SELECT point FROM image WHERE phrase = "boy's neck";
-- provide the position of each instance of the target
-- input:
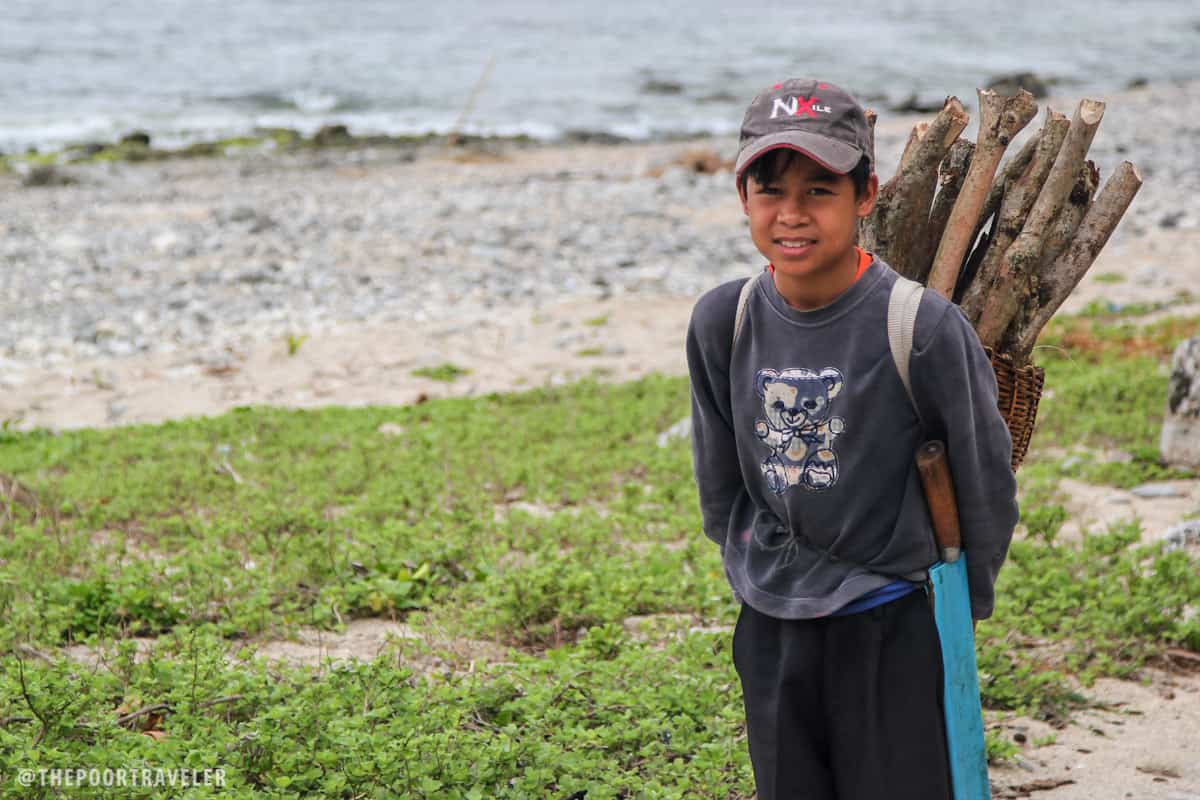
(810, 292)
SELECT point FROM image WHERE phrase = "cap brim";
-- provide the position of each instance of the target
(829, 153)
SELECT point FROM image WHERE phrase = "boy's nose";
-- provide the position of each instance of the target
(793, 211)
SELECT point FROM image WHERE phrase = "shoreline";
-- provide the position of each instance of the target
(340, 129)
(136, 145)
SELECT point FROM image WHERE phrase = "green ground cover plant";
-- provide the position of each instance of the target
(442, 372)
(1106, 389)
(549, 524)
(294, 343)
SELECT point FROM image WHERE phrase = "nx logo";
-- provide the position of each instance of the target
(798, 106)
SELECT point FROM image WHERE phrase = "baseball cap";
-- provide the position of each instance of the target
(817, 118)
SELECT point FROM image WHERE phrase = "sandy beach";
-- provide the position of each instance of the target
(147, 292)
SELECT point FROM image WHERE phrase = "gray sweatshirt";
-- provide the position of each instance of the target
(803, 448)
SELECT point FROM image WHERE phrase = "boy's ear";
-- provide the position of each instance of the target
(741, 187)
(866, 201)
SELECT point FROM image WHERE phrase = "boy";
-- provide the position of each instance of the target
(803, 447)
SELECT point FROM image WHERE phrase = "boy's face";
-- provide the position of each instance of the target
(804, 222)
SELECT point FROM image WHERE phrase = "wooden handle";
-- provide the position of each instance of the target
(939, 495)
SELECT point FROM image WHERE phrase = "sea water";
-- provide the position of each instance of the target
(182, 70)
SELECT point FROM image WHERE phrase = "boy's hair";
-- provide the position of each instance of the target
(768, 167)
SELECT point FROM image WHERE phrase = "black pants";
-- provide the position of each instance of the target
(845, 708)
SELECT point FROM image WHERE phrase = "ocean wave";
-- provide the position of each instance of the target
(188, 128)
(308, 101)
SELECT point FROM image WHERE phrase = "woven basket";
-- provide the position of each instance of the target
(1020, 390)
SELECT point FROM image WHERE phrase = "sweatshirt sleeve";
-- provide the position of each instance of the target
(955, 388)
(714, 451)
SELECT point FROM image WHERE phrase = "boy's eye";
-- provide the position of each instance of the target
(819, 190)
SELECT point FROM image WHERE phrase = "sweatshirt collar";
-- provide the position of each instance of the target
(826, 313)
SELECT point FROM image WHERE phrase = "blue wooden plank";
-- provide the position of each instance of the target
(964, 717)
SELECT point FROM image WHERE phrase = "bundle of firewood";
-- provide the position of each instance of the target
(1007, 243)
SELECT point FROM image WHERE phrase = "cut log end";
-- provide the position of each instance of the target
(915, 136)
(1091, 112)
(1008, 114)
(959, 119)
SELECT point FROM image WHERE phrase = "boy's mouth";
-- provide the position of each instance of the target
(795, 245)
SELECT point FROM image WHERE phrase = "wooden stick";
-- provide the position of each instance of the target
(971, 265)
(1020, 260)
(455, 132)
(870, 234)
(910, 234)
(864, 229)
(166, 708)
(1018, 199)
(1058, 236)
(157, 708)
(14, 491)
(934, 471)
(1013, 169)
(1001, 118)
(872, 117)
(1063, 228)
(30, 650)
(1057, 281)
(896, 226)
(914, 138)
(951, 174)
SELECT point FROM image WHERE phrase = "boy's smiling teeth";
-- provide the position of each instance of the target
(794, 242)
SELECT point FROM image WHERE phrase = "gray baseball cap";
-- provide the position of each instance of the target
(817, 118)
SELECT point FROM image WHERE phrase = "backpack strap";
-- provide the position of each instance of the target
(740, 316)
(902, 321)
